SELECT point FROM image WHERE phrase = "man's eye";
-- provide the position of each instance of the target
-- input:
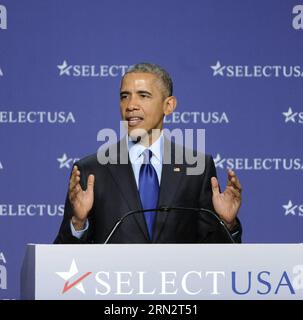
(123, 97)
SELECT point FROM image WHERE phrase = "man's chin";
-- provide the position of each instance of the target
(137, 134)
(143, 136)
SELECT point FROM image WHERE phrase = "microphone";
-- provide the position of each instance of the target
(168, 209)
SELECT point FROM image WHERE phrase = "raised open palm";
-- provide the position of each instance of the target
(81, 200)
(228, 202)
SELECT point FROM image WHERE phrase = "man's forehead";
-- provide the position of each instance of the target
(138, 79)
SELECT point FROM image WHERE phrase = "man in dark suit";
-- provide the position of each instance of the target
(99, 194)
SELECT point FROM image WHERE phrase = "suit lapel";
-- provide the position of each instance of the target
(170, 180)
(124, 177)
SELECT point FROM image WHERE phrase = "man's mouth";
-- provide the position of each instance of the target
(134, 121)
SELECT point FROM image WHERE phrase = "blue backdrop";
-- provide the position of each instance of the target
(238, 72)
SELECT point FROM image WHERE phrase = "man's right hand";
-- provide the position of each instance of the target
(81, 201)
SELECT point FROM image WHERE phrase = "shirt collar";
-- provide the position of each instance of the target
(136, 149)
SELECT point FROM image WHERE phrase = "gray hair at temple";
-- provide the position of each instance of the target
(159, 72)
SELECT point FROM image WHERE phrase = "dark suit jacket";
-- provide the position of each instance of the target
(115, 193)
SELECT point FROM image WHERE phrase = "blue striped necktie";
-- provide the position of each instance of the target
(149, 190)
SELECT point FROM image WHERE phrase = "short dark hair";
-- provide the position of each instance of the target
(158, 71)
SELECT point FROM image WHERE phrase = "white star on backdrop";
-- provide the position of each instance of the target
(218, 161)
(289, 208)
(64, 68)
(64, 161)
(290, 115)
(218, 69)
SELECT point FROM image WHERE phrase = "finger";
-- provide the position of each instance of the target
(73, 195)
(75, 171)
(75, 178)
(233, 180)
(90, 183)
(234, 192)
(215, 185)
(76, 189)
(74, 175)
(236, 183)
(74, 182)
(230, 175)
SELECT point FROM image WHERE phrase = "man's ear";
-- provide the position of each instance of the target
(170, 104)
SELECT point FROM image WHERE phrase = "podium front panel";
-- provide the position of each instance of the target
(163, 272)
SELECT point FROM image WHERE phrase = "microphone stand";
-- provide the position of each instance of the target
(129, 213)
(200, 210)
(167, 209)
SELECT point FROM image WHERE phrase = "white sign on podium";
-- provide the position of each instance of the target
(163, 272)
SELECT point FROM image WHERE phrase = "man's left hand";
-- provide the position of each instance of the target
(227, 203)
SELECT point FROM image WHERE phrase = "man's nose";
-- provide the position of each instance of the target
(133, 104)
